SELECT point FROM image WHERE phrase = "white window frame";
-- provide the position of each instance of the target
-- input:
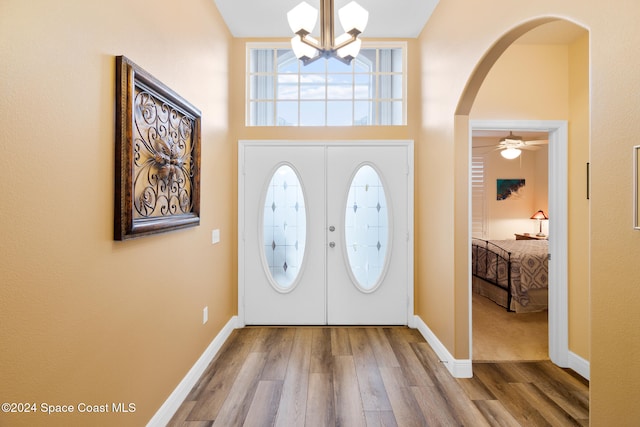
(375, 101)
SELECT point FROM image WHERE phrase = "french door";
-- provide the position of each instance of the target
(325, 233)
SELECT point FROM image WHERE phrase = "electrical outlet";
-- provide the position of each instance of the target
(205, 315)
(215, 236)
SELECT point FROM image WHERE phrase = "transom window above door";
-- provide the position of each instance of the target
(281, 91)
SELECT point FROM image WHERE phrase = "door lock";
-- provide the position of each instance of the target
(332, 228)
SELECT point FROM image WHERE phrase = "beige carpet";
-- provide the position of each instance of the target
(502, 336)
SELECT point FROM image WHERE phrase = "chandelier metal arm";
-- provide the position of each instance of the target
(326, 46)
(310, 42)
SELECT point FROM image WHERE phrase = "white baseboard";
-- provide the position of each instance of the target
(171, 405)
(464, 369)
(580, 365)
(459, 368)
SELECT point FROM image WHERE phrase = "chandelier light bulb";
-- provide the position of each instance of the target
(302, 17)
(353, 17)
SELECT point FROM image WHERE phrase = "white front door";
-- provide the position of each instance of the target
(367, 266)
(324, 233)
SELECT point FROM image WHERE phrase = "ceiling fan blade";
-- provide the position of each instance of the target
(493, 144)
(485, 149)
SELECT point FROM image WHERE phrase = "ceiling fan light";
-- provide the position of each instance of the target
(510, 153)
(302, 17)
(353, 17)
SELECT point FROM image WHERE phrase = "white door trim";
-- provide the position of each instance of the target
(558, 243)
(242, 144)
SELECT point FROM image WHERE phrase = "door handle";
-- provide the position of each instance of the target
(332, 228)
(332, 244)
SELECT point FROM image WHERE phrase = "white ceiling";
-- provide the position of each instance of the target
(387, 19)
(268, 18)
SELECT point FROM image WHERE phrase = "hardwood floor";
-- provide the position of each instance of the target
(373, 376)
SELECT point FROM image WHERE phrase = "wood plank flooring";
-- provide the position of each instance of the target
(371, 376)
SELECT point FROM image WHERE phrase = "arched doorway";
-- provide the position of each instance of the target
(558, 186)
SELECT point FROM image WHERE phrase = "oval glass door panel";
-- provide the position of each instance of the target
(367, 228)
(284, 228)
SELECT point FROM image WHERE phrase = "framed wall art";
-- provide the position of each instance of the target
(157, 158)
(508, 188)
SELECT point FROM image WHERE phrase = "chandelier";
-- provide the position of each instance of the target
(302, 20)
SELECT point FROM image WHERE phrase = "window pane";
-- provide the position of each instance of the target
(363, 113)
(386, 113)
(364, 86)
(288, 113)
(366, 227)
(261, 87)
(261, 60)
(396, 86)
(312, 86)
(373, 83)
(339, 113)
(284, 227)
(335, 66)
(340, 87)
(397, 109)
(396, 60)
(385, 88)
(390, 86)
(365, 62)
(390, 113)
(261, 113)
(288, 86)
(312, 113)
(287, 61)
(319, 66)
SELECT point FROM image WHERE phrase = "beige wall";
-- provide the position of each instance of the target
(450, 60)
(84, 318)
(579, 318)
(527, 82)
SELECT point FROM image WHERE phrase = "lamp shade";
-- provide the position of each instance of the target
(353, 16)
(510, 153)
(539, 215)
(302, 17)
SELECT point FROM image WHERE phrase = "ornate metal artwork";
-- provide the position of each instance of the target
(157, 156)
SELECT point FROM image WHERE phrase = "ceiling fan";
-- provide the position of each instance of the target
(510, 146)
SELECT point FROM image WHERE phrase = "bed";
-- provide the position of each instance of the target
(512, 273)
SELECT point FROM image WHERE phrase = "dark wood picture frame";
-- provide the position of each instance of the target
(157, 156)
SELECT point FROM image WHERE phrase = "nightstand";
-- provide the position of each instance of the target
(530, 237)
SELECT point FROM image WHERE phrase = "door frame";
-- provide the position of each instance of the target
(243, 144)
(558, 244)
